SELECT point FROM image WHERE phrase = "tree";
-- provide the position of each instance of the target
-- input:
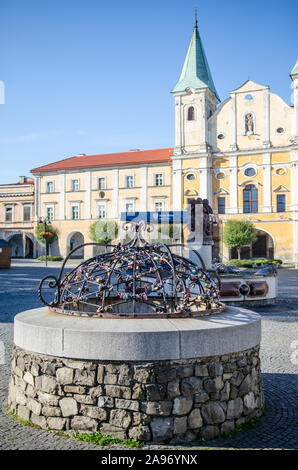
(103, 231)
(238, 233)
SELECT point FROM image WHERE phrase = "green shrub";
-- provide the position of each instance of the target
(241, 263)
(50, 258)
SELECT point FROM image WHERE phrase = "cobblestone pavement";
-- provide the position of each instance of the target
(277, 429)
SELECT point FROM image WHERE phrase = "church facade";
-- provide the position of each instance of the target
(240, 154)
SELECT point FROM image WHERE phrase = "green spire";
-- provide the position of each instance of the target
(195, 73)
(295, 69)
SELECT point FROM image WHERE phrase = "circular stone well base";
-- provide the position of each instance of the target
(138, 392)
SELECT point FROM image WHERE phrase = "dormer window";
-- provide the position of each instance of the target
(191, 113)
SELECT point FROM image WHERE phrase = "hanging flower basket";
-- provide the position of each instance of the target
(46, 235)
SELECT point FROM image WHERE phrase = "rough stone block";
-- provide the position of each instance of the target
(140, 419)
(93, 412)
(155, 392)
(57, 424)
(108, 429)
(48, 399)
(39, 421)
(86, 399)
(173, 388)
(83, 424)
(34, 406)
(191, 385)
(120, 418)
(110, 379)
(213, 413)
(46, 384)
(64, 375)
(78, 389)
(69, 407)
(156, 408)
(209, 432)
(180, 425)
(100, 374)
(105, 402)
(215, 369)
(245, 386)
(182, 405)
(235, 408)
(201, 397)
(227, 426)
(213, 385)
(51, 411)
(137, 392)
(141, 433)
(23, 412)
(118, 391)
(201, 370)
(28, 378)
(195, 419)
(84, 377)
(162, 428)
(131, 405)
(143, 374)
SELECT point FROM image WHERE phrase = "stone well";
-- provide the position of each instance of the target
(163, 379)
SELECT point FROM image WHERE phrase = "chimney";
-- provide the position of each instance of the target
(23, 179)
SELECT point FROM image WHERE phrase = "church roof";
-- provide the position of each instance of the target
(195, 73)
(295, 69)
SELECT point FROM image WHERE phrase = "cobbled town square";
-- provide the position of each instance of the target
(148, 298)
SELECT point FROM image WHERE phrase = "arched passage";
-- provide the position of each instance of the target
(22, 245)
(263, 247)
(74, 240)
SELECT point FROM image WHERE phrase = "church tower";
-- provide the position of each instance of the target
(294, 77)
(195, 100)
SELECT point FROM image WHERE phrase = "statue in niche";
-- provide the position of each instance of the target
(249, 124)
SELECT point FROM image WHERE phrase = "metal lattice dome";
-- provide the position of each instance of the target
(136, 279)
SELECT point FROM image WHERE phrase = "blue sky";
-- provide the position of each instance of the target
(89, 76)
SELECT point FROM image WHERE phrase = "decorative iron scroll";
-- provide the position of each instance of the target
(135, 279)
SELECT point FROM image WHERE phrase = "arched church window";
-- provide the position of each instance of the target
(191, 113)
(250, 199)
(249, 124)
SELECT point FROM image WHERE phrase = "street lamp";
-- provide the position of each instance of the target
(45, 221)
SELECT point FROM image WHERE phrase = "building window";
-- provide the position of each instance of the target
(129, 181)
(27, 213)
(50, 213)
(281, 203)
(190, 176)
(8, 213)
(101, 183)
(129, 207)
(250, 199)
(75, 185)
(158, 206)
(250, 172)
(221, 205)
(75, 212)
(101, 211)
(159, 179)
(191, 113)
(50, 187)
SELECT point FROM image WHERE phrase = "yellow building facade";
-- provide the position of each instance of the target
(240, 154)
(17, 217)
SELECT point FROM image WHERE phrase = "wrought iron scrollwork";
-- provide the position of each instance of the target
(136, 278)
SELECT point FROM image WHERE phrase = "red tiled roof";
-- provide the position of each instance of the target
(27, 182)
(111, 159)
